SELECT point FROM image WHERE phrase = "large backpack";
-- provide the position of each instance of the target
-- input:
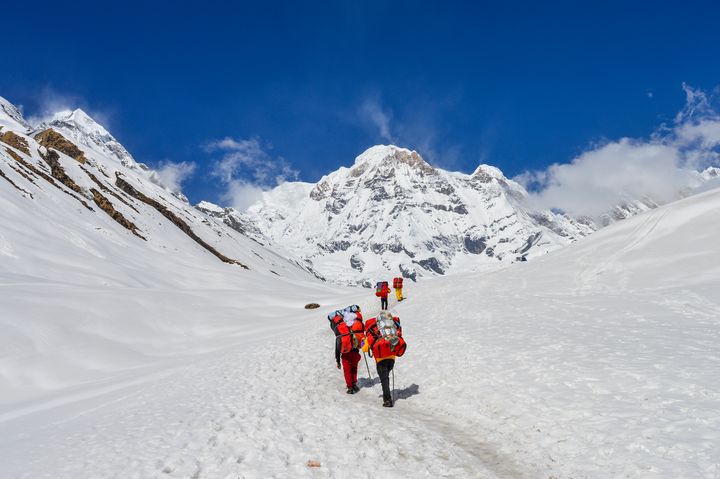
(384, 335)
(335, 318)
(350, 337)
(397, 283)
(381, 287)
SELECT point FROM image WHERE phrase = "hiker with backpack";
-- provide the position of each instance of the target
(383, 338)
(349, 335)
(398, 285)
(382, 290)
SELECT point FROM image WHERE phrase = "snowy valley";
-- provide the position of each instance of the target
(144, 337)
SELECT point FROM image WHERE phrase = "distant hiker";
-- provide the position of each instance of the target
(349, 335)
(398, 285)
(382, 290)
(383, 338)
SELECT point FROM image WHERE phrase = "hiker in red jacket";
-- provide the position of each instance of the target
(349, 335)
(383, 338)
(382, 290)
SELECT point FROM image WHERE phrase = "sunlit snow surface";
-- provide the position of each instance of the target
(124, 358)
(598, 360)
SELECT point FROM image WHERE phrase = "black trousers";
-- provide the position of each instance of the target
(383, 369)
(383, 303)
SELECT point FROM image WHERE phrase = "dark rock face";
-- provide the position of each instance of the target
(233, 223)
(334, 246)
(408, 273)
(460, 209)
(357, 263)
(237, 222)
(321, 191)
(532, 239)
(431, 264)
(475, 245)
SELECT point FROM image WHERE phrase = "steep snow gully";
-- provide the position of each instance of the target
(598, 360)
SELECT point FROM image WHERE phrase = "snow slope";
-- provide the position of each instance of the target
(597, 360)
(96, 281)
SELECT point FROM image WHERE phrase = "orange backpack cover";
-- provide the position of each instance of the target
(381, 347)
(350, 337)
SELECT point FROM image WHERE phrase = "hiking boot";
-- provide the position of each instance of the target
(355, 388)
(388, 403)
(350, 390)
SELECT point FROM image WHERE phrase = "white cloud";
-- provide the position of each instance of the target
(246, 170)
(599, 179)
(371, 111)
(172, 175)
(658, 167)
(52, 103)
(705, 133)
(241, 195)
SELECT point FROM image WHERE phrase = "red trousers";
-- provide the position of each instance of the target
(350, 366)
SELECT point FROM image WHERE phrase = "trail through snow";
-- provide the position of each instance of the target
(597, 361)
(263, 410)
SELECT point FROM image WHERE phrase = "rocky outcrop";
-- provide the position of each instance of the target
(107, 190)
(52, 139)
(58, 172)
(104, 204)
(175, 219)
(5, 177)
(16, 141)
(52, 158)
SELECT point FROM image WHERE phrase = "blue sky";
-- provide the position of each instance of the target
(310, 85)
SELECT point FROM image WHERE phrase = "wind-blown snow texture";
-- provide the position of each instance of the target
(121, 357)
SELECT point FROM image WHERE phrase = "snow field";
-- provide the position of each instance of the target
(123, 358)
(262, 410)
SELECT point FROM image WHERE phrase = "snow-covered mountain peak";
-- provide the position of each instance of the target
(80, 120)
(392, 213)
(379, 153)
(711, 173)
(78, 127)
(11, 117)
(209, 207)
(389, 156)
(488, 172)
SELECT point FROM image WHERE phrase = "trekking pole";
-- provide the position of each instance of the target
(368, 367)
(393, 391)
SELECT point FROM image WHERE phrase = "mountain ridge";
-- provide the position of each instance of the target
(71, 185)
(393, 213)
